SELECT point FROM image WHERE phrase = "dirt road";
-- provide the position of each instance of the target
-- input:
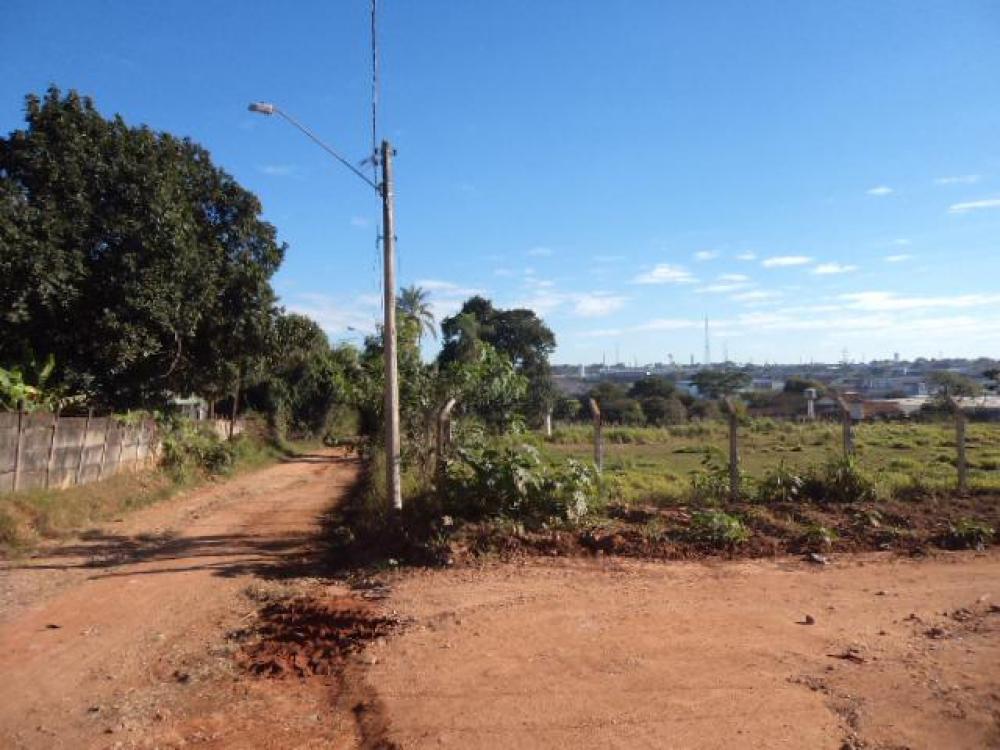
(121, 641)
(572, 654)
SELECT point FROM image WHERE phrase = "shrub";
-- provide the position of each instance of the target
(779, 485)
(969, 533)
(818, 537)
(189, 448)
(840, 481)
(512, 481)
(717, 528)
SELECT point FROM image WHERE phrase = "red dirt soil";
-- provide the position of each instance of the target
(148, 634)
(130, 650)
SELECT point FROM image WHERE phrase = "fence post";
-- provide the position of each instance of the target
(52, 446)
(138, 444)
(83, 446)
(236, 402)
(17, 446)
(548, 423)
(443, 434)
(734, 451)
(119, 428)
(848, 427)
(595, 410)
(104, 447)
(960, 461)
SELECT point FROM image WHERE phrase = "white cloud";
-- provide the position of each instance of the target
(665, 273)
(722, 288)
(900, 241)
(597, 305)
(962, 208)
(749, 255)
(879, 190)
(826, 269)
(756, 295)
(446, 287)
(277, 170)
(333, 316)
(779, 261)
(962, 179)
(668, 324)
(360, 221)
(883, 301)
(540, 252)
(733, 277)
(898, 258)
(706, 255)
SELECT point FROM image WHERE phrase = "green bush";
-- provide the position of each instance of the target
(717, 528)
(840, 481)
(511, 481)
(969, 533)
(189, 448)
(817, 537)
(780, 485)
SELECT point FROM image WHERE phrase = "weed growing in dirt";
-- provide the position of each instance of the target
(840, 481)
(969, 533)
(817, 537)
(780, 485)
(717, 528)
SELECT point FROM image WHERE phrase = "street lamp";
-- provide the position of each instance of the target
(385, 191)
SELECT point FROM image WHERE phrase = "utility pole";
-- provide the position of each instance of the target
(392, 459)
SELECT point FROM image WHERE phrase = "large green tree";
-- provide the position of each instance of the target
(125, 253)
(519, 333)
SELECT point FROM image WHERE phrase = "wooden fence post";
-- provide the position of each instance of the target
(83, 446)
(598, 436)
(52, 447)
(961, 464)
(548, 423)
(848, 427)
(104, 447)
(443, 434)
(734, 451)
(17, 446)
(121, 445)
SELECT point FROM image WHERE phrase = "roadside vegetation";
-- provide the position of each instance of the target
(138, 275)
(191, 455)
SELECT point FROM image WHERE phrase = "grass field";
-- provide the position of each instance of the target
(655, 465)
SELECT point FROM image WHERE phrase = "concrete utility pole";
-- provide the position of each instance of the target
(385, 191)
(392, 458)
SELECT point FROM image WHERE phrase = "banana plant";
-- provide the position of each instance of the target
(15, 388)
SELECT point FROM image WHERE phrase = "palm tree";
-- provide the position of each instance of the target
(413, 304)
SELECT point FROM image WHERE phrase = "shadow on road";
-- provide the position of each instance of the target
(266, 551)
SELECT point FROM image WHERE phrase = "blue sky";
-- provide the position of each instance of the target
(813, 176)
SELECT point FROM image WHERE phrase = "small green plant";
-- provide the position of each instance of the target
(718, 528)
(189, 448)
(817, 537)
(840, 481)
(968, 533)
(512, 481)
(781, 485)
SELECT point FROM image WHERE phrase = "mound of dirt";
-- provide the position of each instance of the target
(305, 636)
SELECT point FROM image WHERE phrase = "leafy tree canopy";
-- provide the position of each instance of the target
(519, 334)
(718, 383)
(127, 255)
(652, 386)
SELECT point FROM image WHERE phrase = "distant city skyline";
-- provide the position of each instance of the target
(812, 177)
